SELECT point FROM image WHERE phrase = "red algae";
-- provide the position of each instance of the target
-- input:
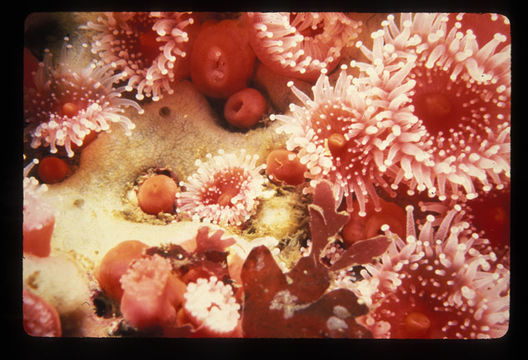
(299, 303)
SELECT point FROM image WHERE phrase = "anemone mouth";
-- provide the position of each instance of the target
(224, 187)
(445, 105)
(307, 26)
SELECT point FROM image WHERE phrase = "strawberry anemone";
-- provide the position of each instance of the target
(459, 89)
(182, 290)
(223, 190)
(151, 50)
(70, 101)
(38, 216)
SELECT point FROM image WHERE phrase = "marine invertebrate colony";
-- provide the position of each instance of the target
(69, 101)
(460, 93)
(224, 189)
(320, 237)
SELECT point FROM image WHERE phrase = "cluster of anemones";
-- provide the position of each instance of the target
(430, 110)
(434, 284)
(178, 290)
(460, 93)
(348, 136)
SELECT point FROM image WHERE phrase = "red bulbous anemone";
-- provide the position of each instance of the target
(245, 108)
(300, 45)
(300, 303)
(223, 190)
(435, 284)
(53, 169)
(156, 194)
(222, 62)
(353, 136)
(70, 101)
(461, 94)
(30, 68)
(369, 226)
(115, 264)
(38, 216)
(151, 50)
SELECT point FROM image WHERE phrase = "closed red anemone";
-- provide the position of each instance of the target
(360, 228)
(30, 67)
(221, 59)
(38, 225)
(157, 194)
(52, 169)
(115, 263)
(245, 108)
